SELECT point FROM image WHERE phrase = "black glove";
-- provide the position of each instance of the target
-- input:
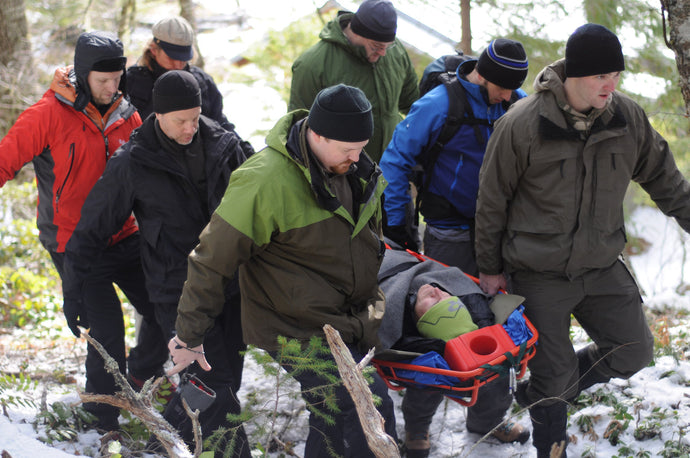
(401, 236)
(75, 312)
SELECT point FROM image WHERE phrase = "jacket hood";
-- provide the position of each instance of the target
(551, 79)
(333, 33)
(478, 93)
(278, 136)
(94, 47)
(63, 86)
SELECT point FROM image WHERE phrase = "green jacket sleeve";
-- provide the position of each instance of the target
(238, 229)
(410, 90)
(210, 266)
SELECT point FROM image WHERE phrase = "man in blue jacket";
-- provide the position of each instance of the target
(448, 202)
(172, 175)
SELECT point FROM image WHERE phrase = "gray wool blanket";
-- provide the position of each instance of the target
(402, 274)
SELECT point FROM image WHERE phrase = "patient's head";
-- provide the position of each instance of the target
(440, 315)
(428, 295)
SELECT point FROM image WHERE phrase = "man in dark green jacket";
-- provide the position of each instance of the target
(302, 222)
(360, 50)
(550, 214)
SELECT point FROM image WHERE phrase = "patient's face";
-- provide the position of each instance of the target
(427, 297)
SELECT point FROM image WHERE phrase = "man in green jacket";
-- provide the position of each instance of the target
(302, 222)
(360, 50)
(550, 214)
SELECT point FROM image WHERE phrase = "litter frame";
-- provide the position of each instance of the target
(470, 381)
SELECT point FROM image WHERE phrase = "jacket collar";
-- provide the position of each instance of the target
(298, 148)
(475, 92)
(552, 120)
(147, 150)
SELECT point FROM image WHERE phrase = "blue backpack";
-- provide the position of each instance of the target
(444, 64)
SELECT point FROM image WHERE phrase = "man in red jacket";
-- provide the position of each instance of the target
(69, 135)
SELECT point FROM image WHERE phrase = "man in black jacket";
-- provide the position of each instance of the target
(171, 48)
(172, 174)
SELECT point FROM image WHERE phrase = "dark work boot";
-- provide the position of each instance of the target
(549, 426)
(511, 432)
(417, 444)
(589, 373)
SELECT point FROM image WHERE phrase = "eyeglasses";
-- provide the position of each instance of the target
(379, 47)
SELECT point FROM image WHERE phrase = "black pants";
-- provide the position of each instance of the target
(456, 253)
(345, 436)
(119, 264)
(493, 400)
(223, 345)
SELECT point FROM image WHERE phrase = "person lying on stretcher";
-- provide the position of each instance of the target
(416, 290)
(419, 292)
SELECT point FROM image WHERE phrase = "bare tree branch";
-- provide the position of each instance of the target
(380, 443)
(139, 404)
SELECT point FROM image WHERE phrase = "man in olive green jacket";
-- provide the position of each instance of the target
(360, 50)
(550, 214)
(302, 222)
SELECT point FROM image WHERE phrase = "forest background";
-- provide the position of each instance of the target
(251, 66)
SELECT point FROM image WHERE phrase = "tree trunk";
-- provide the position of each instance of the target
(677, 35)
(14, 42)
(17, 75)
(187, 12)
(466, 39)
(125, 22)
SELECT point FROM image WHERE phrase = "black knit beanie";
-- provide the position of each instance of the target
(342, 113)
(376, 20)
(174, 91)
(593, 50)
(504, 63)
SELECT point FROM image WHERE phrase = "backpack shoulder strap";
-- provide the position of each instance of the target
(459, 112)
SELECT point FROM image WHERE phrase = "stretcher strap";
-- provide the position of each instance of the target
(503, 369)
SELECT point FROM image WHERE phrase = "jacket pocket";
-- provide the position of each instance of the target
(613, 176)
(151, 232)
(58, 193)
(546, 199)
